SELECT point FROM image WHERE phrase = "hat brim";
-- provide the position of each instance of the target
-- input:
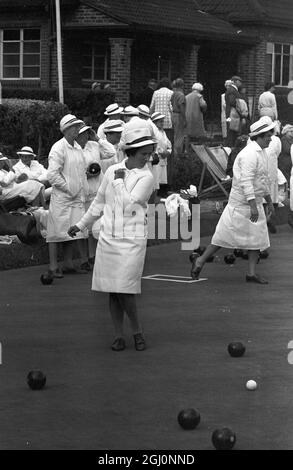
(26, 153)
(70, 124)
(109, 131)
(162, 116)
(117, 111)
(3, 158)
(263, 131)
(84, 129)
(143, 143)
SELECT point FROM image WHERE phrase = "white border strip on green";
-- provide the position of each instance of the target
(182, 279)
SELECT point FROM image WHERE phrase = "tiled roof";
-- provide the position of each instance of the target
(277, 13)
(27, 4)
(184, 16)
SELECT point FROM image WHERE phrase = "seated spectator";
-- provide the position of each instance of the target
(32, 191)
(29, 168)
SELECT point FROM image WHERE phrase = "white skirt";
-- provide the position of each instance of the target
(235, 229)
(63, 213)
(119, 264)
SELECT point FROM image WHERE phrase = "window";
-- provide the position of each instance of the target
(95, 62)
(162, 67)
(20, 53)
(279, 63)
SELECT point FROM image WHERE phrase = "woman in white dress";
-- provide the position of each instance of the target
(67, 175)
(273, 151)
(164, 149)
(94, 173)
(243, 222)
(31, 191)
(122, 201)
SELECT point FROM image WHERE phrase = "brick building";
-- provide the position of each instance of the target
(124, 42)
(271, 58)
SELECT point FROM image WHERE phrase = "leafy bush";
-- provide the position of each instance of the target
(29, 122)
(187, 171)
(80, 101)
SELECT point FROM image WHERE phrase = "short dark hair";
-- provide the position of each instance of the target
(269, 85)
(178, 83)
(131, 152)
(164, 82)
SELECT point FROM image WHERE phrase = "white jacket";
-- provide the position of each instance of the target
(36, 171)
(250, 175)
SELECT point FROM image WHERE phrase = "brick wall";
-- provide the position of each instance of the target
(120, 68)
(85, 15)
(190, 71)
(252, 61)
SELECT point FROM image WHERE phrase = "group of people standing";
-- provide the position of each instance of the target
(184, 114)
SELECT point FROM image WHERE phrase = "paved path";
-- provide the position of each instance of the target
(99, 399)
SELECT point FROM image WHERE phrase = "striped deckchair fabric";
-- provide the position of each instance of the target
(215, 161)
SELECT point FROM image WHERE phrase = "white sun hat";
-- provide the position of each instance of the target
(69, 120)
(135, 138)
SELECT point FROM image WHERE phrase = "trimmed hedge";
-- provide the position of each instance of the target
(29, 122)
(80, 101)
(31, 116)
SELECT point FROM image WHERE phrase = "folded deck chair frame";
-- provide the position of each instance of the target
(217, 172)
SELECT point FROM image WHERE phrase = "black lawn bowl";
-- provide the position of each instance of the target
(94, 169)
(236, 349)
(210, 259)
(244, 255)
(223, 439)
(238, 253)
(188, 418)
(264, 254)
(36, 379)
(46, 279)
(229, 259)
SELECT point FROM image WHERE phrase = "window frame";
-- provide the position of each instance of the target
(106, 56)
(270, 51)
(21, 54)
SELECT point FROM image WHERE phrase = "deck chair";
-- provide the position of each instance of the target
(214, 159)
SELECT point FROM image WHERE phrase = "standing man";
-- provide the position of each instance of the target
(145, 97)
(233, 118)
(67, 175)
